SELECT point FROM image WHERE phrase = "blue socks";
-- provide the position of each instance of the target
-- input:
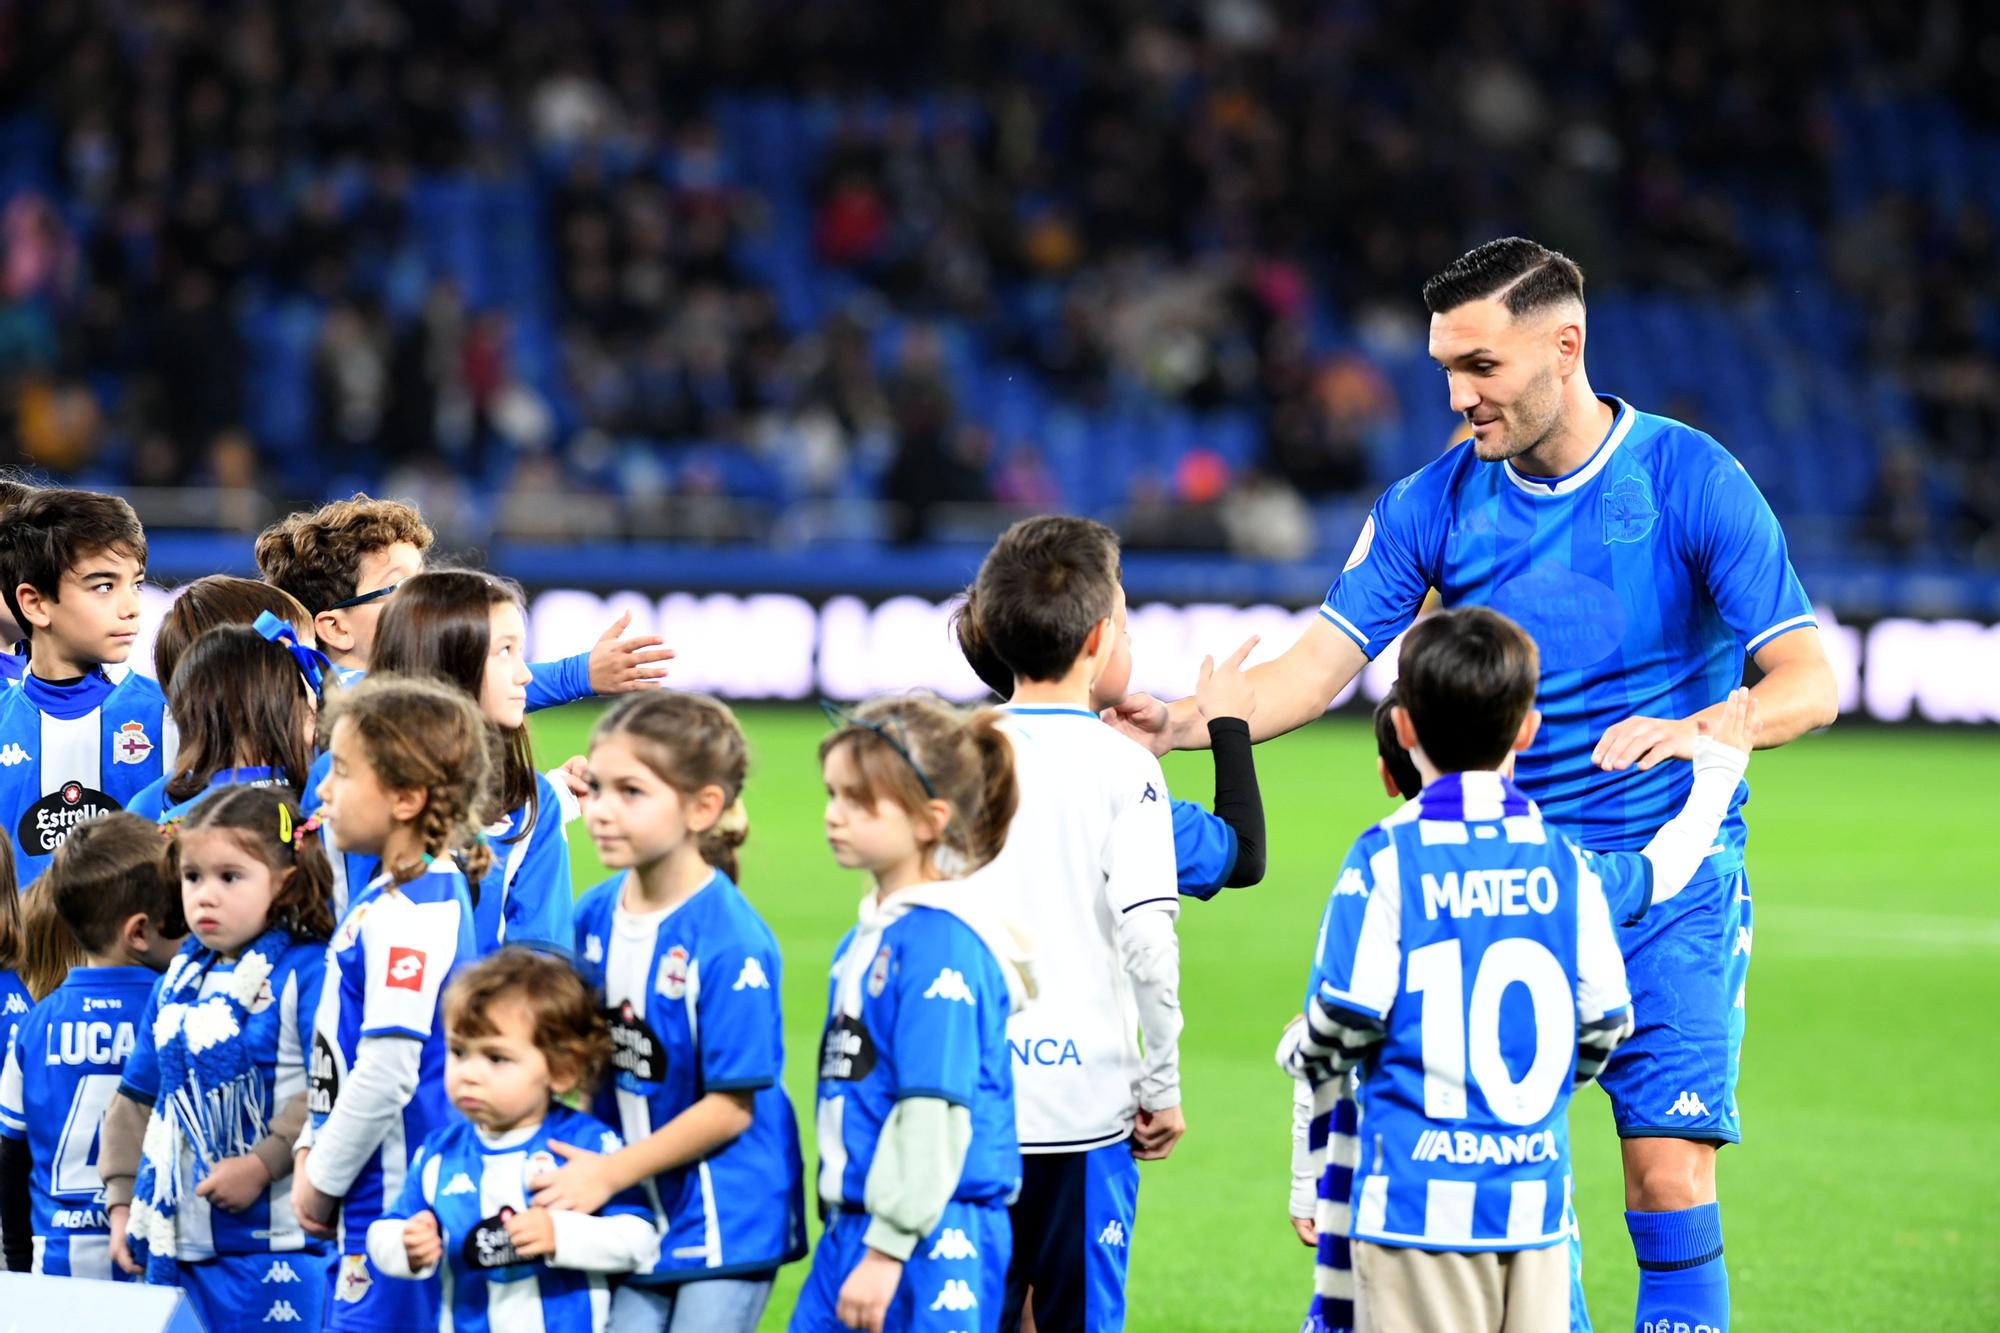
(1683, 1287)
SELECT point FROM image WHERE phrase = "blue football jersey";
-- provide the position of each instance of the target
(386, 971)
(526, 897)
(15, 1002)
(550, 684)
(916, 1009)
(14, 665)
(68, 1056)
(691, 996)
(152, 801)
(1644, 577)
(278, 1034)
(470, 1181)
(1471, 939)
(69, 753)
(1204, 850)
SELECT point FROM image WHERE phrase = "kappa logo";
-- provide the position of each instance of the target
(1113, 1234)
(13, 755)
(460, 1184)
(131, 745)
(281, 1272)
(406, 968)
(1742, 941)
(593, 949)
(16, 1004)
(1151, 793)
(1350, 884)
(608, 1142)
(752, 976)
(953, 1244)
(281, 1312)
(1687, 1104)
(950, 985)
(957, 1297)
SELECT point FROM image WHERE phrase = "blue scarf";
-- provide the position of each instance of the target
(212, 1097)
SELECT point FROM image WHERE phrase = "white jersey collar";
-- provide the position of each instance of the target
(1621, 426)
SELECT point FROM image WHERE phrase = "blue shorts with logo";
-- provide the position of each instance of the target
(954, 1280)
(1073, 1227)
(1687, 962)
(365, 1300)
(282, 1290)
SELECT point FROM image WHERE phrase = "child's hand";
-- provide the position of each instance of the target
(1224, 691)
(620, 665)
(865, 1296)
(1736, 725)
(1156, 1133)
(236, 1183)
(585, 1185)
(532, 1232)
(423, 1245)
(1306, 1231)
(121, 1253)
(574, 774)
(314, 1210)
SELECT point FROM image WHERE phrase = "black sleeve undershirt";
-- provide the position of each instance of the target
(16, 1220)
(1238, 801)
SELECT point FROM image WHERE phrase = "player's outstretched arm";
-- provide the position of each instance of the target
(1796, 695)
(1290, 690)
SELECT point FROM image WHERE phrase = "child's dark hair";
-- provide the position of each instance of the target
(569, 1028)
(107, 871)
(238, 698)
(993, 672)
(438, 625)
(1468, 678)
(268, 825)
(51, 532)
(419, 735)
(691, 741)
(12, 945)
(219, 599)
(1402, 769)
(1043, 587)
(316, 556)
(900, 743)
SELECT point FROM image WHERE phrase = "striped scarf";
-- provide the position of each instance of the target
(1332, 1136)
(212, 1102)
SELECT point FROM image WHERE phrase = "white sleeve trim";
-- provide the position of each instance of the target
(1808, 620)
(1326, 609)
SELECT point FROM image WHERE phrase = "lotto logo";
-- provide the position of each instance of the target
(13, 755)
(281, 1312)
(957, 1296)
(1113, 1234)
(752, 977)
(953, 1244)
(280, 1271)
(406, 969)
(950, 985)
(1688, 1104)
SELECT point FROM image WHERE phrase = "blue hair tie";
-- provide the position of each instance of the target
(313, 664)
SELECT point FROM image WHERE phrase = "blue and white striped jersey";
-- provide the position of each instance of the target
(526, 897)
(69, 753)
(386, 971)
(1644, 577)
(68, 1056)
(691, 995)
(470, 1180)
(279, 1036)
(15, 1002)
(1467, 961)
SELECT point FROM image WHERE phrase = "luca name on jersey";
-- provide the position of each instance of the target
(89, 1043)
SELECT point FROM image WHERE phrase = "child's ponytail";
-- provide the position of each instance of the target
(987, 823)
(718, 845)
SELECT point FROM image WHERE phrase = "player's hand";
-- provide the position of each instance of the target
(1644, 742)
(584, 1185)
(1736, 725)
(1144, 719)
(1306, 1231)
(423, 1245)
(236, 1183)
(620, 665)
(1224, 691)
(314, 1210)
(120, 1218)
(532, 1233)
(865, 1296)
(1156, 1132)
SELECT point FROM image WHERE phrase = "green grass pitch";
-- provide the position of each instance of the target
(1862, 1196)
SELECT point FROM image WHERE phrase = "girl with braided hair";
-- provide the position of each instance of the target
(412, 770)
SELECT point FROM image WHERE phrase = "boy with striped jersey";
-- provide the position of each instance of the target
(82, 735)
(111, 888)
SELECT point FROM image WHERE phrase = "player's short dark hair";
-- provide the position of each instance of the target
(1468, 678)
(1532, 276)
(316, 556)
(107, 871)
(993, 673)
(49, 533)
(1041, 589)
(1402, 769)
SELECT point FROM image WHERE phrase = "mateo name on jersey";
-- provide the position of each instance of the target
(1464, 1148)
(1512, 892)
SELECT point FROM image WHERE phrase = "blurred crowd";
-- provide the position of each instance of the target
(1218, 207)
